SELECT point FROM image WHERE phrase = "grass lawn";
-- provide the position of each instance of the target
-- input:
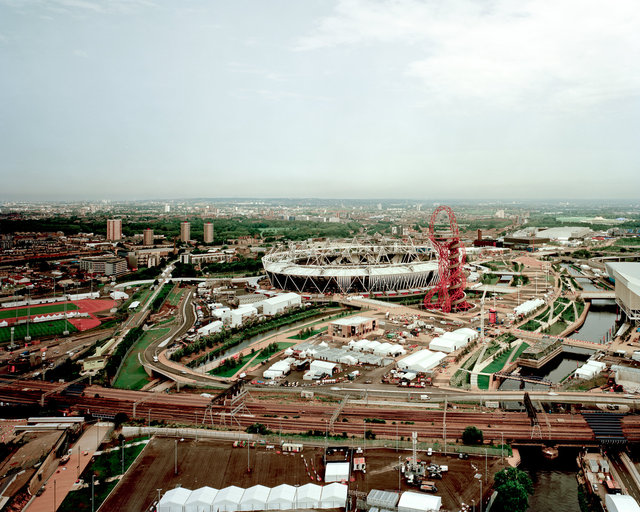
(531, 325)
(174, 296)
(53, 328)
(313, 332)
(105, 466)
(494, 366)
(281, 346)
(557, 328)
(523, 346)
(132, 375)
(36, 310)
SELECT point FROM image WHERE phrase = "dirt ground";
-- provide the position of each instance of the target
(217, 464)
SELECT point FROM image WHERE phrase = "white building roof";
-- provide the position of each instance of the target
(336, 472)
(308, 496)
(421, 361)
(281, 497)
(418, 502)
(334, 495)
(228, 499)
(283, 297)
(621, 503)
(174, 500)
(354, 320)
(200, 499)
(255, 498)
(528, 306)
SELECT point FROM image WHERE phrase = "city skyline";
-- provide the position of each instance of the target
(345, 99)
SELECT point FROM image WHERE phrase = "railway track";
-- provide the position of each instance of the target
(294, 417)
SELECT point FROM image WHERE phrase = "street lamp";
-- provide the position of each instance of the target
(478, 476)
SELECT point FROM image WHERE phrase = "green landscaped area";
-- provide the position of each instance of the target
(36, 310)
(556, 328)
(39, 330)
(132, 375)
(498, 364)
(106, 465)
(262, 355)
(174, 296)
(307, 333)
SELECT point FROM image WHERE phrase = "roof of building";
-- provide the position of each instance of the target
(353, 320)
(628, 272)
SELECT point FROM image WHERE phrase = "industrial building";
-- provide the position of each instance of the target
(208, 232)
(185, 231)
(352, 268)
(280, 303)
(354, 326)
(114, 230)
(147, 257)
(104, 265)
(627, 278)
(258, 497)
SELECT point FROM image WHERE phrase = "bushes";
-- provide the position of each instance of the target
(472, 435)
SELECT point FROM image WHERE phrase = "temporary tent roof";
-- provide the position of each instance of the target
(421, 361)
(527, 307)
(200, 500)
(621, 503)
(228, 499)
(336, 472)
(382, 499)
(417, 502)
(255, 498)
(174, 500)
(308, 496)
(333, 496)
(282, 497)
(323, 366)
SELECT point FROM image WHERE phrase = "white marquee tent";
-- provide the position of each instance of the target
(333, 496)
(174, 500)
(418, 502)
(282, 497)
(228, 499)
(308, 496)
(255, 498)
(200, 500)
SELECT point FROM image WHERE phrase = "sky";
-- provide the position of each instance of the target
(139, 99)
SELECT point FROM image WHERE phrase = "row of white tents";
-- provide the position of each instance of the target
(375, 347)
(258, 497)
(421, 361)
(528, 307)
(452, 341)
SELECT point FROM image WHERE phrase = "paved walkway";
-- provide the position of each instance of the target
(61, 482)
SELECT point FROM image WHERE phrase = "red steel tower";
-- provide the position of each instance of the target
(449, 294)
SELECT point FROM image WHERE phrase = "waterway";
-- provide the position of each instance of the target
(555, 371)
(554, 481)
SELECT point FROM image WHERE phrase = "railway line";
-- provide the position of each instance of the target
(385, 422)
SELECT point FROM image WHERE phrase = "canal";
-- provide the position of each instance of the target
(554, 481)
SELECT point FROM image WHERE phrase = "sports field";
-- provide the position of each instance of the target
(36, 310)
(132, 375)
(41, 329)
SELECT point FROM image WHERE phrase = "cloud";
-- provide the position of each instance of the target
(561, 54)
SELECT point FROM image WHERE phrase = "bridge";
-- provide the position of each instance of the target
(587, 295)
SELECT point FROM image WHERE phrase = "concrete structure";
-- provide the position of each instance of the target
(212, 256)
(114, 230)
(148, 257)
(280, 303)
(208, 232)
(211, 328)
(185, 231)
(355, 326)
(104, 265)
(352, 268)
(627, 278)
(147, 237)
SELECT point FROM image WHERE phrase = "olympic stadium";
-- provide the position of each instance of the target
(367, 268)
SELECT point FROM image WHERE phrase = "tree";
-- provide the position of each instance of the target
(472, 435)
(369, 434)
(513, 486)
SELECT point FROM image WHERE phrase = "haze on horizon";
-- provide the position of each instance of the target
(135, 99)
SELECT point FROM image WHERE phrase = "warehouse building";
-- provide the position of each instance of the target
(627, 278)
(421, 361)
(355, 326)
(281, 303)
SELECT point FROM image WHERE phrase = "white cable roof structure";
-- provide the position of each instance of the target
(351, 267)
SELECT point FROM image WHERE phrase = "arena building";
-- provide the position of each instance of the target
(627, 278)
(390, 267)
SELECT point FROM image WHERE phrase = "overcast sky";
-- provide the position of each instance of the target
(317, 98)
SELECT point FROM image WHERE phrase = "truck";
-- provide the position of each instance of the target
(428, 486)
